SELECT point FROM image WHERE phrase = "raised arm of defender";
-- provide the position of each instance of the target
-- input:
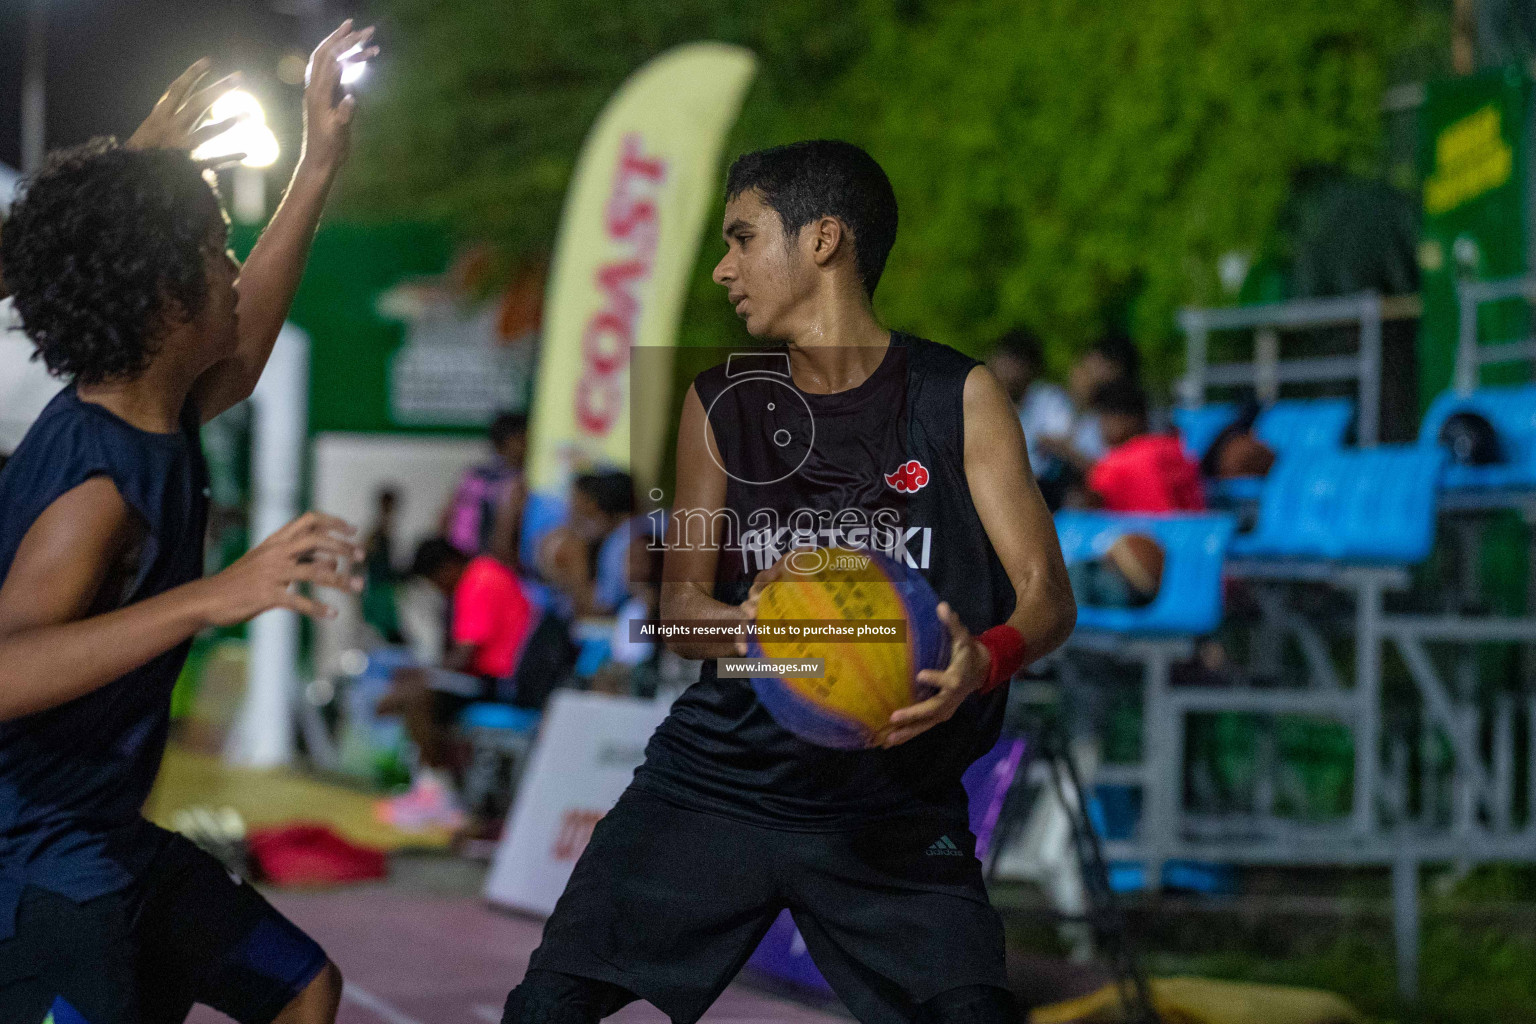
(270, 277)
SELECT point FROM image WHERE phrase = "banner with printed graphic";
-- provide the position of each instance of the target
(628, 240)
(1473, 162)
(588, 749)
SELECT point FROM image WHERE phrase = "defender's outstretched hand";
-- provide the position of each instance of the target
(176, 120)
(270, 277)
(327, 107)
(308, 550)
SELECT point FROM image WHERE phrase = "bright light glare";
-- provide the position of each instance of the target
(251, 136)
(352, 72)
(237, 102)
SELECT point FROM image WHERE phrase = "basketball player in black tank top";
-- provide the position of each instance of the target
(732, 819)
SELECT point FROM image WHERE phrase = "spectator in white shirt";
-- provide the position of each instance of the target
(1018, 362)
(1113, 357)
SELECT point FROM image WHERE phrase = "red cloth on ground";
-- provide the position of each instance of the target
(306, 854)
(1148, 473)
(491, 611)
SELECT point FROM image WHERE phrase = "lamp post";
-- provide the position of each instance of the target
(251, 137)
(34, 87)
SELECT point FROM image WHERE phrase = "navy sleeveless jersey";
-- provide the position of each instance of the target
(74, 778)
(879, 465)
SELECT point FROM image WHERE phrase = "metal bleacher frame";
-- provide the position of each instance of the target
(1267, 371)
(1378, 831)
(1154, 637)
(1471, 355)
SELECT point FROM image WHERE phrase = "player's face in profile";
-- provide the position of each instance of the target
(760, 270)
(217, 323)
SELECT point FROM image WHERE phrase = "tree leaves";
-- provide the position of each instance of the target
(1065, 164)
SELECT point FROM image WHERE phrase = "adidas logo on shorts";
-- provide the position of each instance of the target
(944, 847)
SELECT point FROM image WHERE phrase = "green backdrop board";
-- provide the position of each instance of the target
(1474, 163)
(353, 345)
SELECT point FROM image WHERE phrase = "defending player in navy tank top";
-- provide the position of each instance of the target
(70, 811)
(891, 448)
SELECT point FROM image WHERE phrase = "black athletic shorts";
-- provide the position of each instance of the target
(669, 903)
(187, 931)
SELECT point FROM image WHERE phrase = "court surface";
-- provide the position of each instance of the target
(414, 956)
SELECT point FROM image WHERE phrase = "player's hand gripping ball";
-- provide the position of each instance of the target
(866, 680)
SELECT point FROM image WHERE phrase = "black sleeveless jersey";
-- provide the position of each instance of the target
(879, 465)
(73, 778)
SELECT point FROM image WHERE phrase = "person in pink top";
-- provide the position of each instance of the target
(489, 620)
(1142, 471)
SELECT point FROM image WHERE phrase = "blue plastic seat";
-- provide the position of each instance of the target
(1367, 506)
(1234, 490)
(1287, 425)
(1511, 411)
(1293, 425)
(1199, 425)
(499, 716)
(1188, 603)
(592, 655)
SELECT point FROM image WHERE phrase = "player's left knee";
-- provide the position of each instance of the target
(973, 1004)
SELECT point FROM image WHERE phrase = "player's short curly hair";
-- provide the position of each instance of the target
(103, 244)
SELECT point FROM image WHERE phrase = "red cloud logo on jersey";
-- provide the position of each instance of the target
(909, 476)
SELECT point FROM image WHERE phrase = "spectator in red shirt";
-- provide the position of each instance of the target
(489, 620)
(1142, 471)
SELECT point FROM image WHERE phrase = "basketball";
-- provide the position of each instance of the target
(866, 679)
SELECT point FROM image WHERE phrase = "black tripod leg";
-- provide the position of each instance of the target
(1105, 916)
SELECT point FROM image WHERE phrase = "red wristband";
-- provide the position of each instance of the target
(1006, 646)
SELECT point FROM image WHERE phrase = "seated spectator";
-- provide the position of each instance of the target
(1067, 455)
(490, 618)
(1141, 471)
(1045, 409)
(1111, 358)
(1235, 451)
(585, 559)
(379, 576)
(489, 490)
(631, 668)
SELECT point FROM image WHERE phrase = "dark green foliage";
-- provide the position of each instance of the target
(1070, 164)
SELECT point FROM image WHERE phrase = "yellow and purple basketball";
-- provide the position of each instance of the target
(831, 593)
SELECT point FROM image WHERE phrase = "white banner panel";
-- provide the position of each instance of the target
(588, 748)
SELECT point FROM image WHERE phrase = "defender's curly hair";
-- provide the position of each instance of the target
(102, 247)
